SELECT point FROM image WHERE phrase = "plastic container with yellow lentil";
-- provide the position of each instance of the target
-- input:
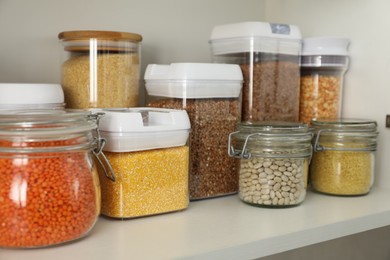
(343, 161)
(147, 149)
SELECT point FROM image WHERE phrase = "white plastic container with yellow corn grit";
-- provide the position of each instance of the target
(147, 149)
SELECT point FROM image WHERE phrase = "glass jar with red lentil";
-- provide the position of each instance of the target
(49, 189)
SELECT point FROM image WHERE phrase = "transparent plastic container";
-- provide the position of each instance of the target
(49, 188)
(148, 152)
(101, 69)
(211, 95)
(274, 159)
(324, 63)
(344, 156)
(269, 57)
(31, 96)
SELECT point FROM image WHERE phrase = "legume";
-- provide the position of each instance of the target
(47, 198)
(148, 182)
(273, 181)
(319, 97)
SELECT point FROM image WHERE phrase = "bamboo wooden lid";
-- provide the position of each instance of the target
(78, 40)
(103, 35)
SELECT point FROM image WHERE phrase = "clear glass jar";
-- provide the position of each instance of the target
(324, 62)
(148, 151)
(274, 161)
(211, 95)
(269, 57)
(343, 161)
(101, 69)
(49, 188)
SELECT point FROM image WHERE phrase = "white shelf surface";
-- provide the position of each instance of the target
(223, 228)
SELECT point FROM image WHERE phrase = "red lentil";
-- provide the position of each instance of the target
(46, 198)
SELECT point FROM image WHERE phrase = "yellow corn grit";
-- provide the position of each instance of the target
(147, 182)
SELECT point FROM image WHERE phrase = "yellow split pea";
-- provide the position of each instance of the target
(147, 183)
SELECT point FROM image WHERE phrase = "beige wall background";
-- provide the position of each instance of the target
(178, 31)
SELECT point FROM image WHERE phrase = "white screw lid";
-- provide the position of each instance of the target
(30, 94)
(336, 46)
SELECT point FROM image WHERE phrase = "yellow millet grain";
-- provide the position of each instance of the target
(117, 81)
(147, 183)
(342, 172)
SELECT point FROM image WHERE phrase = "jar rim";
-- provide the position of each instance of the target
(45, 122)
(274, 128)
(345, 127)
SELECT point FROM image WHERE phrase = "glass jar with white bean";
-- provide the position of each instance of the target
(274, 159)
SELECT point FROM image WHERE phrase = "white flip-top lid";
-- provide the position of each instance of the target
(143, 128)
(255, 37)
(194, 80)
(30, 94)
(337, 46)
(330, 52)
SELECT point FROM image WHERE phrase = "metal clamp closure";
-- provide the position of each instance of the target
(98, 150)
(320, 148)
(245, 154)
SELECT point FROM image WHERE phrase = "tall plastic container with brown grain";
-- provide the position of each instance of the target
(324, 62)
(101, 69)
(269, 57)
(211, 95)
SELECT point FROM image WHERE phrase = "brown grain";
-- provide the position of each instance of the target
(274, 95)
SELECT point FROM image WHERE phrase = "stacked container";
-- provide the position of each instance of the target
(323, 65)
(101, 69)
(269, 56)
(210, 93)
(148, 153)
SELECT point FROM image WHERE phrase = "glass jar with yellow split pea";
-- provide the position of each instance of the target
(148, 152)
(343, 161)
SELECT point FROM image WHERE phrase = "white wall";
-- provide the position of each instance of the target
(173, 30)
(367, 87)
